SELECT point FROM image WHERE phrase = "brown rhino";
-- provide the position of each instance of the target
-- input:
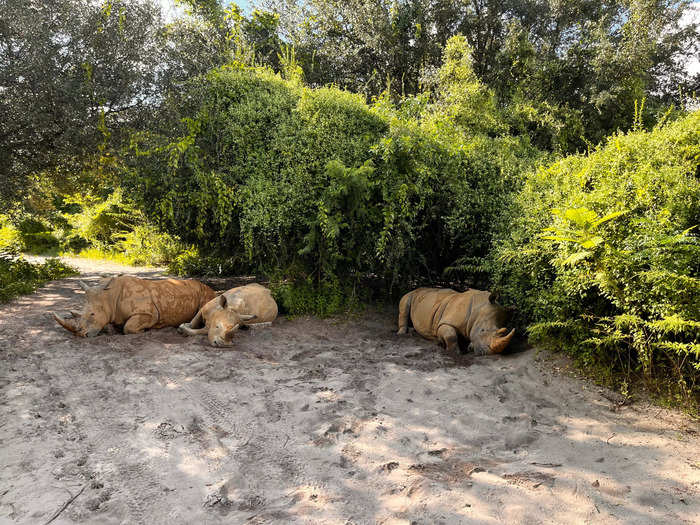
(444, 315)
(222, 316)
(137, 304)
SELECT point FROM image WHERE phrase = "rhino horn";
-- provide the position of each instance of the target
(65, 323)
(500, 343)
(231, 332)
(247, 317)
(84, 285)
(75, 314)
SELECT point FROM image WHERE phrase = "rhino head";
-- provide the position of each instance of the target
(488, 334)
(225, 321)
(96, 314)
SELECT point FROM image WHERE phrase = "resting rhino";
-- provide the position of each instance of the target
(444, 315)
(223, 315)
(138, 304)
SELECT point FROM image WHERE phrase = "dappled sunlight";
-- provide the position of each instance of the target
(283, 429)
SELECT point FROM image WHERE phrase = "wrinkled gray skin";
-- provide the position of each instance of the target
(95, 316)
(136, 304)
(486, 329)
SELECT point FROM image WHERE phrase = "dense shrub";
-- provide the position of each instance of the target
(18, 277)
(602, 254)
(190, 262)
(317, 186)
(99, 219)
(110, 227)
(307, 297)
(27, 234)
(10, 241)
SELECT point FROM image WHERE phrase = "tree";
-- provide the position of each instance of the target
(73, 76)
(587, 61)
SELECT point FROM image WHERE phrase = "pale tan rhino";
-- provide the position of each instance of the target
(445, 316)
(221, 317)
(137, 304)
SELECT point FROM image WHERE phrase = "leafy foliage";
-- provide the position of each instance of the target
(74, 75)
(603, 254)
(318, 185)
(567, 71)
(330, 143)
(18, 277)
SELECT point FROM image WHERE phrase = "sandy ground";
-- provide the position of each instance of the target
(318, 421)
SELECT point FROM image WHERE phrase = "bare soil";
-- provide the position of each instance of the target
(318, 421)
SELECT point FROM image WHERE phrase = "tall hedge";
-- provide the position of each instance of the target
(602, 254)
(316, 183)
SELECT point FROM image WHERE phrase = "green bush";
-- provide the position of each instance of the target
(191, 262)
(18, 277)
(601, 254)
(31, 235)
(99, 220)
(315, 185)
(307, 297)
(10, 240)
(144, 244)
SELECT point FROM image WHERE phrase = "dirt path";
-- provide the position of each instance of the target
(314, 421)
(100, 267)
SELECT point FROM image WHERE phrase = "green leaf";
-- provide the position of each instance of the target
(608, 217)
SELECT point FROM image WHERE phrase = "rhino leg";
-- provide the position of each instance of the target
(448, 335)
(197, 321)
(404, 313)
(138, 323)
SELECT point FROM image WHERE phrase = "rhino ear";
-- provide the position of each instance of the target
(493, 297)
(107, 284)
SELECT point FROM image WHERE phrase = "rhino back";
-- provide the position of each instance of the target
(463, 310)
(176, 301)
(427, 307)
(253, 299)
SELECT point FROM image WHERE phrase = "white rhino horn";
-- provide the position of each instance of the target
(83, 285)
(500, 343)
(65, 323)
(247, 317)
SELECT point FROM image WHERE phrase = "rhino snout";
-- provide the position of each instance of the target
(501, 341)
(221, 343)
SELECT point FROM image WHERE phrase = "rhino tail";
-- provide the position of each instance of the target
(405, 313)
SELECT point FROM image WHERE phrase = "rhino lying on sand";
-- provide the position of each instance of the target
(222, 316)
(444, 315)
(138, 304)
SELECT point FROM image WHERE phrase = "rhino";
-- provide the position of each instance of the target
(237, 307)
(446, 316)
(137, 304)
